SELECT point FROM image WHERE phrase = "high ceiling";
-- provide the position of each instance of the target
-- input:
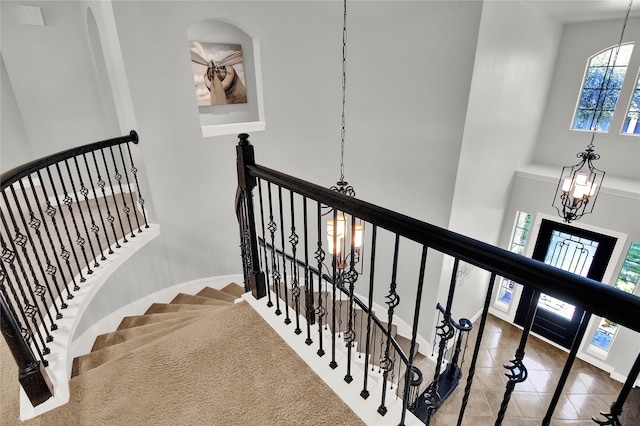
(584, 10)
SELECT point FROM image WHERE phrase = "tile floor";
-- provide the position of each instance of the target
(588, 391)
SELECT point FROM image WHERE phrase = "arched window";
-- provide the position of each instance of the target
(632, 121)
(601, 88)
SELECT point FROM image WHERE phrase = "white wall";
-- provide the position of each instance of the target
(14, 142)
(53, 77)
(517, 45)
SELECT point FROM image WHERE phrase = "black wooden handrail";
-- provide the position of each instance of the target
(621, 307)
(13, 175)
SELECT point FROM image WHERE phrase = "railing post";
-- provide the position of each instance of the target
(245, 157)
(31, 373)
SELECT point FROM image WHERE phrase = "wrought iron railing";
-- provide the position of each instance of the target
(61, 216)
(306, 283)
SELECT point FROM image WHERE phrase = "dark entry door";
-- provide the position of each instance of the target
(576, 250)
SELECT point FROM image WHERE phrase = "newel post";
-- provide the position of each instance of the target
(246, 183)
(31, 373)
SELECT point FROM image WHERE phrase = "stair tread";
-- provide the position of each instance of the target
(234, 289)
(183, 298)
(138, 320)
(125, 334)
(159, 308)
(213, 293)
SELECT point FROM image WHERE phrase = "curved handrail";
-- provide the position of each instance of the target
(13, 175)
(575, 289)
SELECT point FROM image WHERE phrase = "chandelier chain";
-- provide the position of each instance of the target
(609, 73)
(344, 87)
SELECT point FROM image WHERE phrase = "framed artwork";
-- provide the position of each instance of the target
(218, 73)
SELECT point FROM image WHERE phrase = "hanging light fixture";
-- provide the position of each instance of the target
(580, 184)
(341, 229)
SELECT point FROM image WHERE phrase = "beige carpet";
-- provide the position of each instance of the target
(226, 368)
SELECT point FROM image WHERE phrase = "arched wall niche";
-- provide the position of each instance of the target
(218, 120)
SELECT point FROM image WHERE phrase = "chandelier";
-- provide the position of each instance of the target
(345, 235)
(580, 184)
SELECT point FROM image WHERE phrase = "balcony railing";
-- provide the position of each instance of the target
(288, 258)
(62, 215)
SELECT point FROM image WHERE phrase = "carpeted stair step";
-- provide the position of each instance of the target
(213, 293)
(120, 336)
(94, 359)
(138, 320)
(188, 299)
(163, 308)
(234, 289)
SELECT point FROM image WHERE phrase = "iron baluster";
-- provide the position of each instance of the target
(393, 300)
(334, 364)
(476, 350)
(287, 320)
(34, 223)
(275, 273)
(612, 418)
(134, 172)
(94, 226)
(350, 278)
(118, 177)
(308, 284)
(65, 254)
(320, 256)
(133, 203)
(115, 199)
(95, 196)
(51, 269)
(68, 201)
(365, 392)
(517, 370)
(9, 255)
(21, 240)
(414, 335)
(295, 282)
(575, 346)
(82, 240)
(110, 218)
(266, 260)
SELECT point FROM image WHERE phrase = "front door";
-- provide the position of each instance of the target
(572, 249)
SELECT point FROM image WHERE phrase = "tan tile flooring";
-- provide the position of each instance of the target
(588, 391)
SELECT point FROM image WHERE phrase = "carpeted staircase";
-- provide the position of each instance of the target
(159, 320)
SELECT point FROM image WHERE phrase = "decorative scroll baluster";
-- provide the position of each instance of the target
(308, 283)
(365, 392)
(51, 270)
(275, 273)
(115, 198)
(118, 177)
(350, 277)
(612, 418)
(266, 259)
(20, 239)
(133, 203)
(29, 305)
(94, 226)
(476, 350)
(81, 240)
(65, 254)
(110, 218)
(414, 335)
(393, 300)
(134, 171)
(34, 223)
(321, 311)
(285, 284)
(517, 370)
(295, 282)
(333, 364)
(575, 346)
(68, 201)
